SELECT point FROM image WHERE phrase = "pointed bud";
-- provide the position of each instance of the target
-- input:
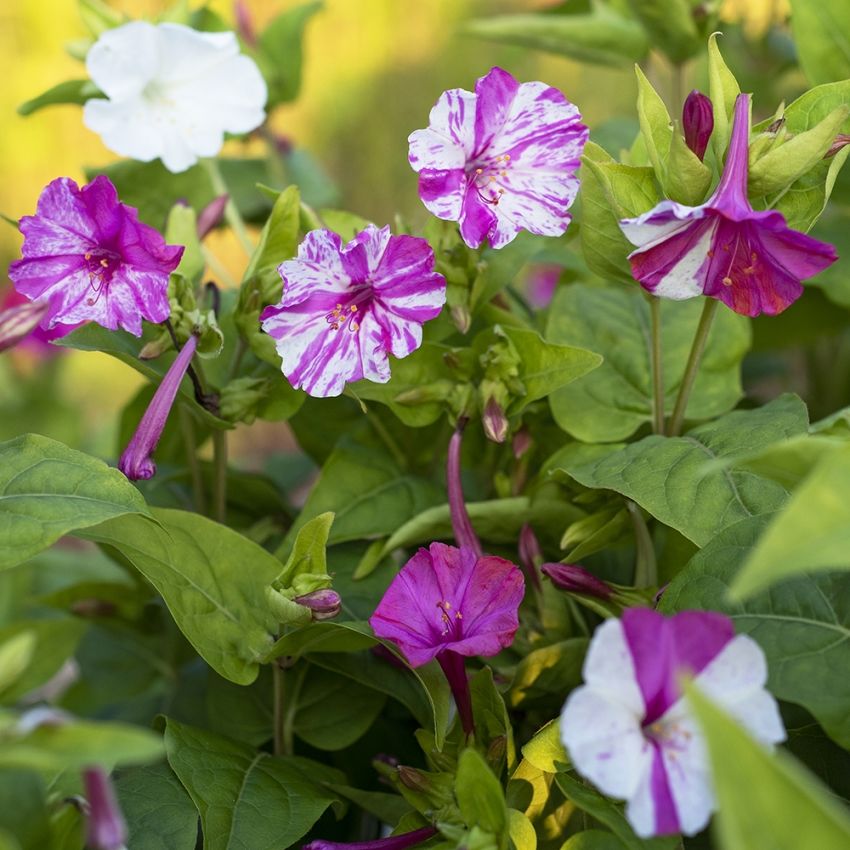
(244, 23)
(17, 323)
(325, 604)
(576, 579)
(522, 442)
(465, 535)
(136, 461)
(211, 215)
(841, 141)
(494, 421)
(697, 122)
(106, 829)
(153, 349)
(530, 554)
(413, 779)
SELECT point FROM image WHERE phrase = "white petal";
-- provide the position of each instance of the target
(683, 280)
(126, 127)
(452, 118)
(640, 809)
(186, 53)
(125, 59)
(430, 149)
(605, 742)
(609, 667)
(657, 224)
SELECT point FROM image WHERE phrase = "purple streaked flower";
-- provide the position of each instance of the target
(630, 731)
(91, 258)
(392, 842)
(501, 159)
(324, 604)
(576, 579)
(346, 307)
(697, 122)
(136, 461)
(750, 260)
(447, 603)
(105, 828)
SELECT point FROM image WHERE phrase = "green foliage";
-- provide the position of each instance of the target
(820, 34)
(71, 91)
(671, 26)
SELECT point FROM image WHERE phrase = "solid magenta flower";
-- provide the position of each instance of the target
(346, 308)
(501, 159)
(92, 260)
(105, 826)
(750, 260)
(697, 122)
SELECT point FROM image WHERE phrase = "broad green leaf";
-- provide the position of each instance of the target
(308, 554)
(214, 581)
(613, 401)
(333, 712)
(247, 800)
(549, 671)
(182, 229)
(723, 89)
(23, 811)
(47, 490)
(812, 532)
(278, 240)
(479, 794)
(803, 625)
(608, 812)
(686, 178)
(281, 53)
(16, 652)
(766, 801)
(671, 26)
(324, 636)
(593, 839)
(820, 36)
(521, 831)
(160, 815)
(75, 744)
(545, 750)
(492, 722)
(534, 792)
(54, 640)
(602, 37)
(655, 124)
(71, 91)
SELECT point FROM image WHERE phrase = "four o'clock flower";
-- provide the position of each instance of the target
(697, 122)
(446, 603)
(751, 261)
(501, 159)
(171, 92)
(630, 731)
(91, 259)
(105, 827)
(400, 841)
(346, 307)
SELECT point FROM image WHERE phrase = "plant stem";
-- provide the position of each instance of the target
(692, 367)
(657, 366)
(187, 426)
(231, 212)
(220, 476)
(278, 684)
(646, 567)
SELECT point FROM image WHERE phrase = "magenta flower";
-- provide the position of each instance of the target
(392, 842)
(697, 122)
(136, 461)
(446, 603)
(500, 160)
(324, 604)
(751, 261)
(576, 579)
(91, 258)
(345, 308)
(629, 730)
(105, 829)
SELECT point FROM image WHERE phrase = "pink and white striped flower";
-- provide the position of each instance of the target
(345, 308)
(630, 731)
(501, 159)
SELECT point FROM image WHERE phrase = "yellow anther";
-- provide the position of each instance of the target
(353, 308)
(727, 281)
(355, 326)
(105, 263)
(87, 255)
(479, 170)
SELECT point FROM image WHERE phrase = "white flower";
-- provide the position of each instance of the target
(172, 92)
(631, 733)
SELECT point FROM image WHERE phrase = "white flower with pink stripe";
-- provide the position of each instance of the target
(501, 159)
(345, 308)
(630, 731)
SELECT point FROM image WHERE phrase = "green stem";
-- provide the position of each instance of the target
(231, 213)
(646, 567)
(187, 426)
(692, 367)
(278, 683)
(241, 348)
(288, 726)
(220, 476)
(657, 366)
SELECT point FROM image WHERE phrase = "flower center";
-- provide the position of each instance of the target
(157, 94)
(670, 735)
(487, 176)
(741, 261)
(101, 264)
(351, 312)
(450, 622)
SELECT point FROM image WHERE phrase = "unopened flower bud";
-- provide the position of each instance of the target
(530, 554)
(106, 829)
(522, 442)
(413, 779)
(16, 323)
(495, 422)
(840, 141)
(325, 604)
(496, 751)
(211, 215)
(697, 122)
(244, 23)
(576, 579)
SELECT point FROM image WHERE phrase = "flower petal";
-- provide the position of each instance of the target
(477, 219)
(318, 269)
(495, 94)
(124, 60)
(442, 192)
(609, 667)
(452, 118)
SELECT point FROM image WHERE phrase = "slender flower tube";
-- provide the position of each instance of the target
(530, 555)
(750, 260)
(136, 461)
(630, 731)
(576, 579)
(393, 842)
(105, 829)
(17, 323)
(446, 603)
(325, 604)
(465, 535)
(697, 122)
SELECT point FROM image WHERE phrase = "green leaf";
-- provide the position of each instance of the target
(593, 839)
(333, 712)
(24, 811)
(98, 16)
(812, 532)
(279, 238)
(723, 90)
(820, 36)
(674, 478)
(280, 52)
(246, 799)
(324, 636)
(16, 652)
(308, 554)
(215, 582)
(182, 229)
(655, 124)
(686, 178)
(160, 815)
(479, 794)
(613, 401)
(47, 490)
(602, 37)
(803, 625)
(766, 801)
(671, 26)
(545, 750)
(71, 91)
(549, 670)
(521, 831)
